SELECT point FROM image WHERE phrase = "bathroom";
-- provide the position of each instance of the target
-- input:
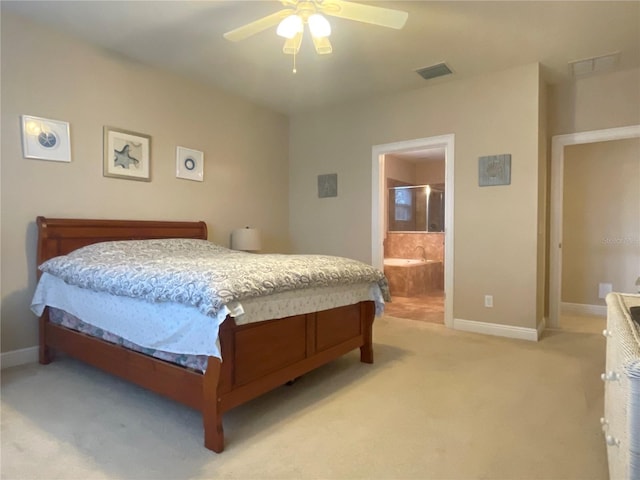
(414, 234)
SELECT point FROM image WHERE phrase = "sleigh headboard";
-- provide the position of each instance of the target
(59, 236)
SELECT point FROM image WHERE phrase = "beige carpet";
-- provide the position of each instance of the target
(437, 404)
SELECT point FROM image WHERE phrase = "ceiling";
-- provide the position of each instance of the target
(473, 38)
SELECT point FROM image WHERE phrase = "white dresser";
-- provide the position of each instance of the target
(621, 421)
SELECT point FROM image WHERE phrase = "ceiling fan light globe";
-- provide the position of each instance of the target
(290, 26)
(319, 25)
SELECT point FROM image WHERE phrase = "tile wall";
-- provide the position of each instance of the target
(407, 245)
(415, 280)
(408, 281)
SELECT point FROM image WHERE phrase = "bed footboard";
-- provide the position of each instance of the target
(258, 357)
(261, 356)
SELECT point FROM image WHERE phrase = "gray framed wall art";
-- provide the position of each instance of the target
(494, 170)
(328, 185)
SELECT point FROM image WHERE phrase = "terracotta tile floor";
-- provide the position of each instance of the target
(426, 308)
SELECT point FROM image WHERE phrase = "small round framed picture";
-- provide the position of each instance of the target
(190, 164)
(45, 139)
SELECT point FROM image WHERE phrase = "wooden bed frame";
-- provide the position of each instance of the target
(258, 357)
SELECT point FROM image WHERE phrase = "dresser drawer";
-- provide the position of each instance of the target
(621, 421)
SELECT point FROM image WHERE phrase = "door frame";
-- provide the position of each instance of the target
(378, 197)
(558, 144)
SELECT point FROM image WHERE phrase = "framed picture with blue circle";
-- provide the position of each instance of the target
(45, 139)
(190, 164)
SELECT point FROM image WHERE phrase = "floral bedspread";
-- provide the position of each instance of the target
(200, 273)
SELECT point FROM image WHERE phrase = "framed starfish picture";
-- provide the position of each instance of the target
(126, 154)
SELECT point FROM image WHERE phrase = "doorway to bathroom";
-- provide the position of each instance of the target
(412, 226)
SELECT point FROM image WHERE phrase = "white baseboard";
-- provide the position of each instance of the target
(495, 329)
(19, 357)
(583, 309)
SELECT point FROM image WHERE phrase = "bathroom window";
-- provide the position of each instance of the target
(403, 204)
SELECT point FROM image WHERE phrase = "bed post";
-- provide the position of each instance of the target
(211, 415)
(44, 350)
(367, 313)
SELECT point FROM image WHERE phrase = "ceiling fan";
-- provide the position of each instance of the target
(291, 21)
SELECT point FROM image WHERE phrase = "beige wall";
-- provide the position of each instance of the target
(400, 169)
(595, 103)
(496, 228)
(419, 172)
(430, 172)
(51, 75)
(601, 219)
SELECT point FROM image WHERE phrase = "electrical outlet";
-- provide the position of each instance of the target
(488, 301)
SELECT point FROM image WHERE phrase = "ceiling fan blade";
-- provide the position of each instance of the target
(385, 17)
(322, 44)
(257, 26)
(292, 45)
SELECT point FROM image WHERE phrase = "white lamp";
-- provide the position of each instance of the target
(247, 239)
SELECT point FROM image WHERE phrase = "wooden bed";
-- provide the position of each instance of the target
(252, 364)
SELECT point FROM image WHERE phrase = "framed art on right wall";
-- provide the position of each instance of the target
(494, 170)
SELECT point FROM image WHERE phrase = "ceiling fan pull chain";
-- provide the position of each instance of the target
(294, 63)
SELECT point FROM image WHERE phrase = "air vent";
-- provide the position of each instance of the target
(588, 66)
(434, 71)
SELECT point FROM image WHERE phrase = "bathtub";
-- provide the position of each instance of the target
(409, 277)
